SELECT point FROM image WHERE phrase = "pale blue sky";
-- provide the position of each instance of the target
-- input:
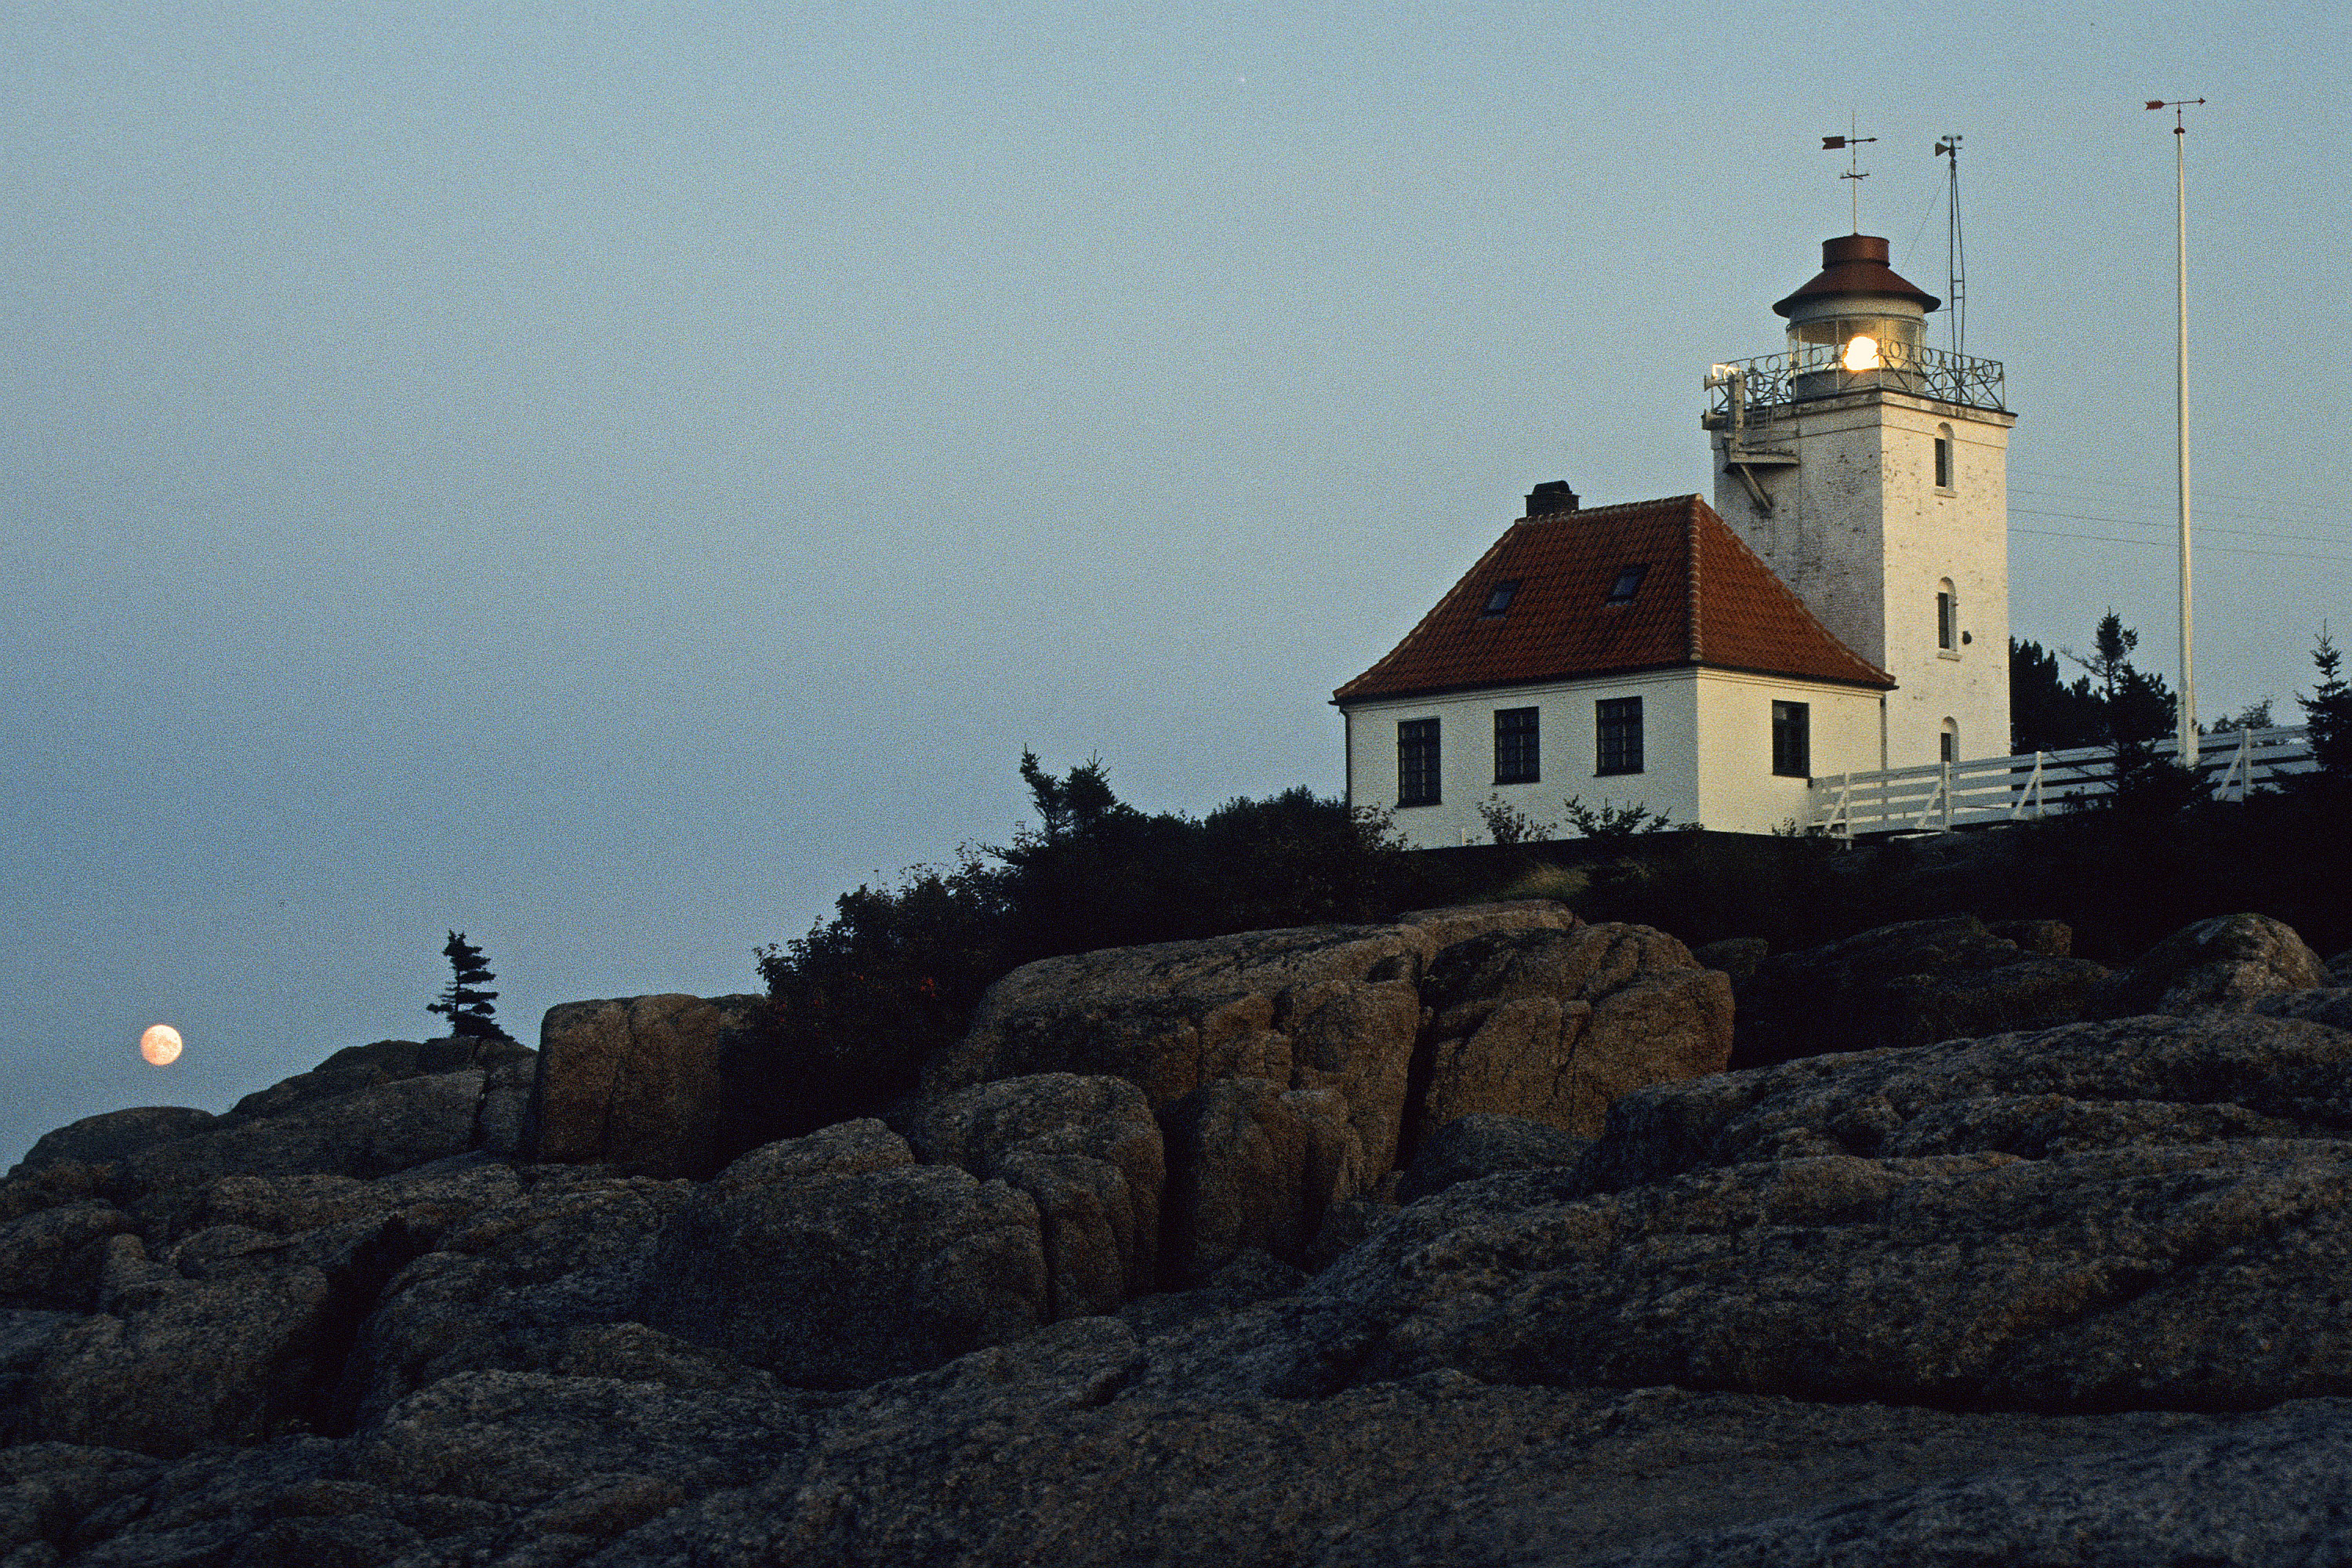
(607, 479)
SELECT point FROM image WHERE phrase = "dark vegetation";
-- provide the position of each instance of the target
(864, 997)
(867, 995)
(463, 1002)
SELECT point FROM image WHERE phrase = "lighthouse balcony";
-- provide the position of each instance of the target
(1828, 370)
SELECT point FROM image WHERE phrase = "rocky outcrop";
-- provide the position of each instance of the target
(1482, 1145)
(103, 1139)
(2066, 1293)
(52, 1257)
(1088, 1154)
(2198, 1277)
(1909, 985)
(636, 1082)
(1255, 1168)
(835, 1260)
(1291, 1069)
(503, 1288)
(365, 1112)
(2259, 1491)
(1551, 1025)
(1330, 1007)
(2130, 1081)
(2225, 964)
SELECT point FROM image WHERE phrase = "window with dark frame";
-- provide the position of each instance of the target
(1628, 584)
(1518, 755)
(1417, 762)
(1617, 722)
(1943, 462)
(1499, 599)
(1946, 636)
(1793, 751)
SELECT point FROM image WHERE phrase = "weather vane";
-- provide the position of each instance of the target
(1852, 143)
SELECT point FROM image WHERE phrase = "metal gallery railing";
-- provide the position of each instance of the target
(1940, 796)
(1819, 370)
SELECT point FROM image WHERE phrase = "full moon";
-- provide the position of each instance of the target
(160, 1044)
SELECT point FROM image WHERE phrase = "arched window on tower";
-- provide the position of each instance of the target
(1951, 742)
(1947, 618)
(1946, 475)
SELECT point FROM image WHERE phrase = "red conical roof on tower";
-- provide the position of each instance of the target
(1857, 264)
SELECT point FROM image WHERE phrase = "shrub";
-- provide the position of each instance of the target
(862, 1000)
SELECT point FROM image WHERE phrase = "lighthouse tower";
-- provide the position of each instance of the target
(1870, 472)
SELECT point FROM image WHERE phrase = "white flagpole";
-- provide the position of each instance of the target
(2187, 702)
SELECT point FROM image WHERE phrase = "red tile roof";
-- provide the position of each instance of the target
(1705, 600)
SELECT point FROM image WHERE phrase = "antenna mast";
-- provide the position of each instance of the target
(1955, 249)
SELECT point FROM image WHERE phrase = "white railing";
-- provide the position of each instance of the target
(1940, 796)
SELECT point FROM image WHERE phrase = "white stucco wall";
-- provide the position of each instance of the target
(1861, 531)
(1569, 741)
(1738, 791)
(1706, 751)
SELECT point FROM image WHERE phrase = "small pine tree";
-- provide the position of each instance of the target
(2136, 710)
(2328, 712)
(463, 1001)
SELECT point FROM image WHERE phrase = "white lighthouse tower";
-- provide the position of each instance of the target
(1870, 472)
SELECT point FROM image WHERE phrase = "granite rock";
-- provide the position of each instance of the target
(636, 1082)
(833, 1264)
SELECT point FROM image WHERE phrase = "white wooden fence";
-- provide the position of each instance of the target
(1940, 796)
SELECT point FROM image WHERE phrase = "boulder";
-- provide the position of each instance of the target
(2330, 1005)
(2225, 964)
(51, 1257)
(2264, 1491)
(374, 1130)
(26, 1335)
(173, 1361)
(1440, 929)
(1737, 957)
(1551, 1025)
(425, 1203)
(1086, 1150)
(2149, 1080)
(1336, 1001)
(1911, 984)
(2195, 1278)
(1049, 1449)
(1321, 1007)
(504, 1287)
(1253, 1167)
(635, 1082)
(100, 1139)
(520, 1441)
(1482, 1144)
(833, 1261)
(355, 1068)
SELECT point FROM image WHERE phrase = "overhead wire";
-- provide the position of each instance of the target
(2111, 492)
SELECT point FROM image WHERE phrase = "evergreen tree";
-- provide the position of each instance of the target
(2328, 712)
(2136, 710)
(463, 1001)
(2045, 713)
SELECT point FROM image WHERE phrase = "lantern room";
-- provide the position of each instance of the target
(1858, 314)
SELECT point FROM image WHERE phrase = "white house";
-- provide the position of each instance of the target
(1842, 607)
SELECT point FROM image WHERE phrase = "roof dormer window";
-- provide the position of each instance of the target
(1499, 599)
(1628, 584)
